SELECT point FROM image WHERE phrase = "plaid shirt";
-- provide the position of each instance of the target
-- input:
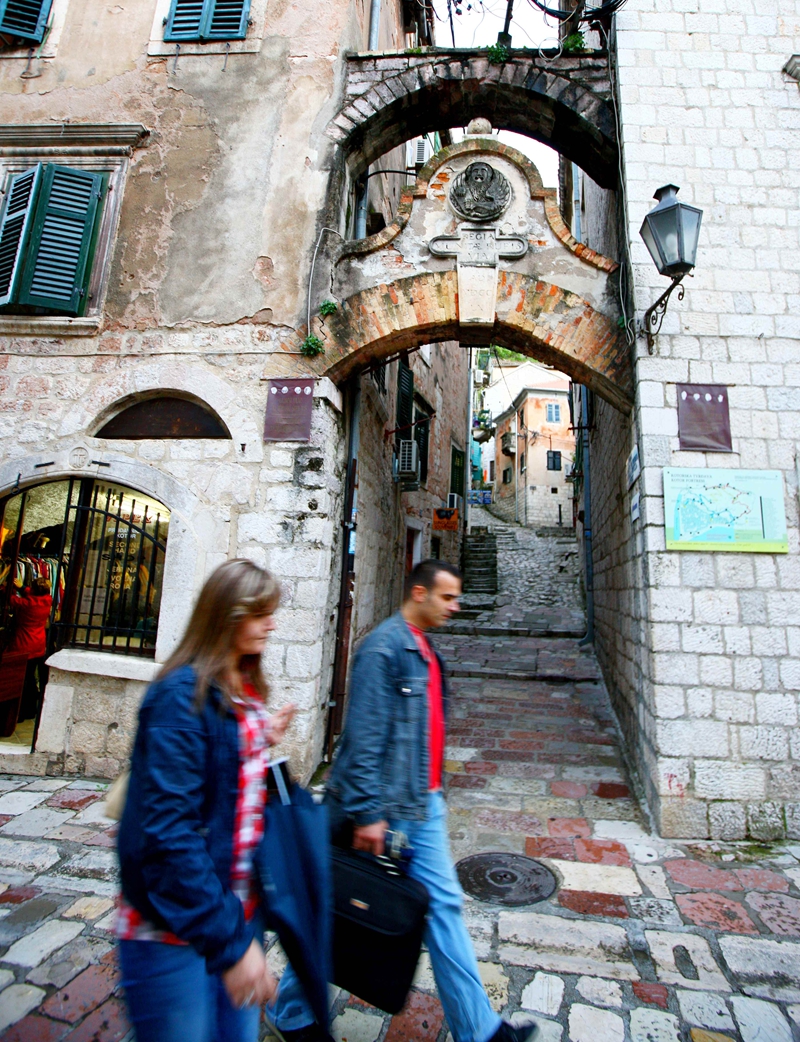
(248, 829)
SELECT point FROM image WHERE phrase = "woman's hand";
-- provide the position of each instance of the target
(279, 721)
(250, 981)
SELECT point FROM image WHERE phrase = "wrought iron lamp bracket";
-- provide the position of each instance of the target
(654, 316)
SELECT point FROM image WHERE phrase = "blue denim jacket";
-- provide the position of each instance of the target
(381, 767)
(176, 834)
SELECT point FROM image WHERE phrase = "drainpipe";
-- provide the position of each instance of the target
(374, 24)
(587, 525)
(515, 465)
(347, 581)
(468, 475)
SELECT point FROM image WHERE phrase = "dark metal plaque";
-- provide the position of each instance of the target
(506, 879)
(289, 405)
(704, 421)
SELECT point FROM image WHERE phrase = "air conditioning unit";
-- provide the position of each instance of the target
(455, 502)
(408, 461)
(418, 152)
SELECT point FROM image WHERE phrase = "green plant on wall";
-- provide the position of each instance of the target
(328, 307)
(497, 54)
(312, 346)
(574, 42)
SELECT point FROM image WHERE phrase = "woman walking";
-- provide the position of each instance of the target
(189, 925)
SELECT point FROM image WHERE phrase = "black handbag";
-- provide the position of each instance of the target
(378, 924)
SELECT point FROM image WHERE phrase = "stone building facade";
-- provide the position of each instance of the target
(231, 173)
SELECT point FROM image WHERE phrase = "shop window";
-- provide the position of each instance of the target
(101, 548)
(553, 460)
(201, 20)
(553, 412)
(164, 417)
(48, 236)
(23, 20)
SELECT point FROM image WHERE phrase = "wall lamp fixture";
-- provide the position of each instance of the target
(670, 232)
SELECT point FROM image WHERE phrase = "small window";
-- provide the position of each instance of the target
(164, 417)
(458, 466)
(507, 476)
(422, 434)
(23, 20)
(201, 20)
(378, 375)
(554, 491)
(491, 470)
(553, 460)
(553, 412)
(48, 234)
(522, 462)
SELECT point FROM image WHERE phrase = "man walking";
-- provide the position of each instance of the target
(388, 775)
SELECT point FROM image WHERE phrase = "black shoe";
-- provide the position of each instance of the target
(515, 1033)
(309, 1033)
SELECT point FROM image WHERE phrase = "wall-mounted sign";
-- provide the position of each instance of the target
(704, 422)
(730, 510)
(445, 519)
(289, 405)
(635, 509)
(634, 465)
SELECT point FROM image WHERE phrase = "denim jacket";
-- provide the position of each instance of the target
(176, 834)
(381, 767)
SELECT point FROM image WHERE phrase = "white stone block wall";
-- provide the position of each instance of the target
(278, 504)
(704, 104)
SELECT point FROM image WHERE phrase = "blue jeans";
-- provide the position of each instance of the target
(172, 998)
(470, 1016)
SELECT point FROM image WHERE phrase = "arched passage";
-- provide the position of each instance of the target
(566, 103)
(534, 317)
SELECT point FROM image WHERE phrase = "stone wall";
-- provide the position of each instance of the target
(704, 104)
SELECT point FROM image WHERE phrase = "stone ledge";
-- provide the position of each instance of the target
(101, 663)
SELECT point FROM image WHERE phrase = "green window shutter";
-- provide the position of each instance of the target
(227, 20)
(405, 399)
(422, 437)
(457, 468)
(185, 20)
(57, 257)
(25, 19)
(207, 20)
(15, 226)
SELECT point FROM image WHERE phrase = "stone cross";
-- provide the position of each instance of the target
(477, 249)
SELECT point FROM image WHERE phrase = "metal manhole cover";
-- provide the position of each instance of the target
(508, 879)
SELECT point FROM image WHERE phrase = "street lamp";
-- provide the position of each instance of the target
(670, 232)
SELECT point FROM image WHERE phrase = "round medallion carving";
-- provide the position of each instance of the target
(78, 458)
(480, 193)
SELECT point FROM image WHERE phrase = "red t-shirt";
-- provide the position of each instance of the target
(30, 624)
(435, 710)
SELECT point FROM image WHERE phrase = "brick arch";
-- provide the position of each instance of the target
(534, 317)
(566, 103)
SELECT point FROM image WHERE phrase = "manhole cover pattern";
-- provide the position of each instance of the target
(508, 879)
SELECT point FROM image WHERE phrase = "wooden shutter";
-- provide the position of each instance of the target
(207, 20)
(422, 437)
(57, 257)
(405, 399)
(25, 19)
(227, 20)
(15, 227)
(457, 467)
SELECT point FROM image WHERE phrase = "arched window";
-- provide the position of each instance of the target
(166, 416)
(101, 548)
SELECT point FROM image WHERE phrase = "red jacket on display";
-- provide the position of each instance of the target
(30, 623)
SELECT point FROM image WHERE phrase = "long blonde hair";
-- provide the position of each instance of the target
(232, 592)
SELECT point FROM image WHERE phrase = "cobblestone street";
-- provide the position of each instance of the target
(644, 940)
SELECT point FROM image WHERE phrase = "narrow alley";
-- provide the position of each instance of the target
(640, 940)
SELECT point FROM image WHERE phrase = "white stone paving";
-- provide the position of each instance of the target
(36, 946)
(588, 1024)
(543, 994)
(16, 1001)
(705, 1009)
(760, 1021)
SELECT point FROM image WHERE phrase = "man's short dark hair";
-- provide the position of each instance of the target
(424, 574)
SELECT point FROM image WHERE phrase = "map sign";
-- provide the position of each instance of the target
(733, 510)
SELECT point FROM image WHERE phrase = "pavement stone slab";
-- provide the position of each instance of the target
(16, 1001)
(760, 1021)
(589, 1024)
(649, 1025)
(764, 968)
(705, 1009)
(20, 801)
(35, 947)
(35, 822)
(683, 958)
(543, 994)
(600, 992)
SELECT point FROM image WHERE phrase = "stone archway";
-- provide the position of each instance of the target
(518, 278)
(564, 101)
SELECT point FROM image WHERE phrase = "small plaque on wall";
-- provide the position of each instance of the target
(704, 423)
(289, 405)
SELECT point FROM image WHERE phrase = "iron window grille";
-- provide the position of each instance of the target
(102, 550)
(553, 460)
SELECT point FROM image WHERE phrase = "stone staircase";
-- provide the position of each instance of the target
(479, 562)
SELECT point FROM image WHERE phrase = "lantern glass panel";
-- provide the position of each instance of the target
(664, 226)
(690, 220)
